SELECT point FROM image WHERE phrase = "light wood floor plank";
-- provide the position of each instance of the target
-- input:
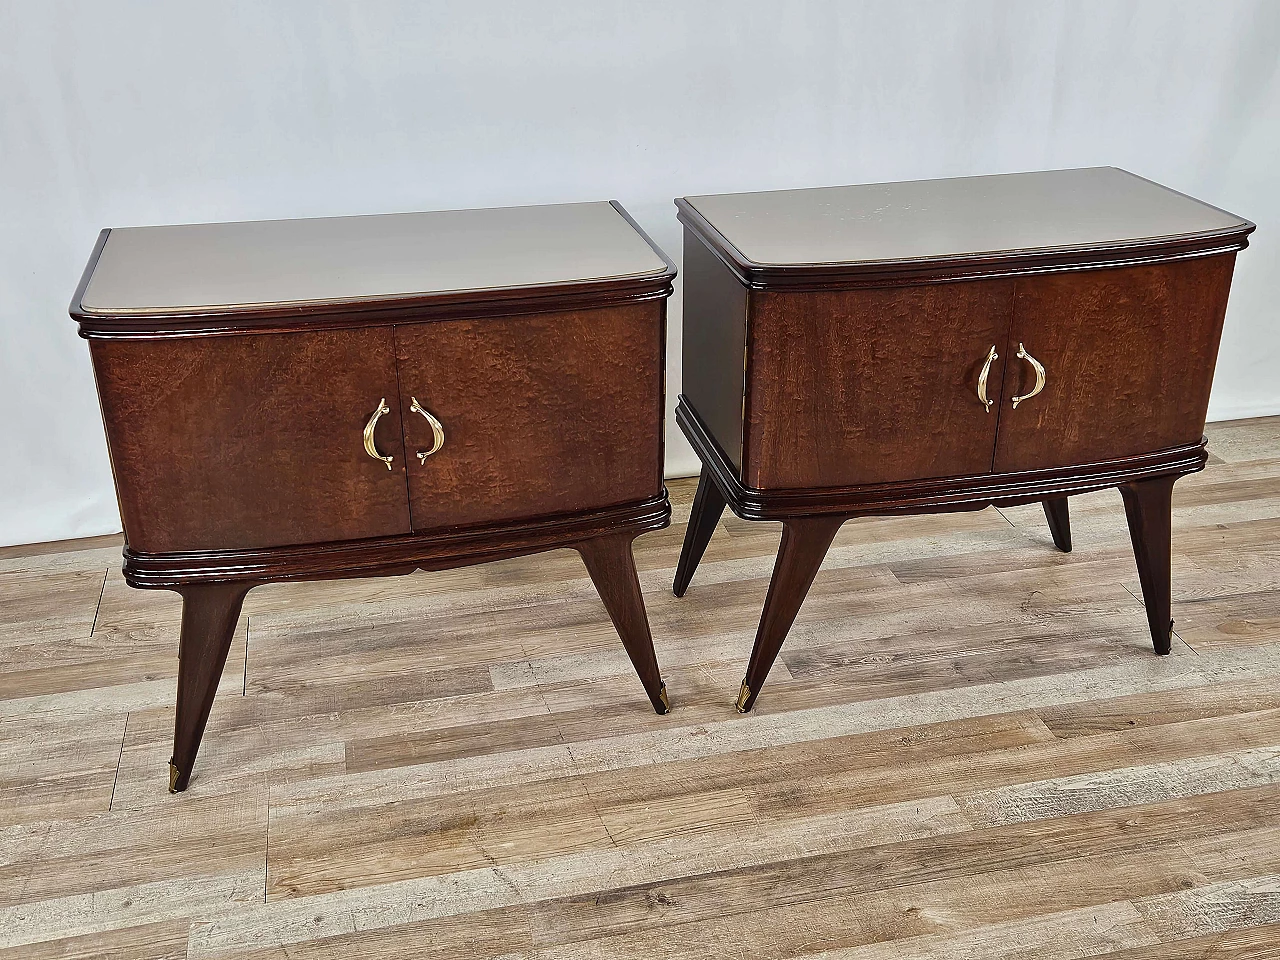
(163, 940)
(1250, 943)
(966, 750)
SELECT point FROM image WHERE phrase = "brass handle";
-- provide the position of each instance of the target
(369, 447)
(1039, 369)
(982, 378)
(437, 429)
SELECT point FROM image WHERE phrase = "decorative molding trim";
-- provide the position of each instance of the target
(389, 556)
(845, 276)
(928, 496)
(295, 318)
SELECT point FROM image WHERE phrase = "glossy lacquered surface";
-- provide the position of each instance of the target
(1129, 356)
(542, 414)
(1053, 210)
(214, 267)
(242, 442)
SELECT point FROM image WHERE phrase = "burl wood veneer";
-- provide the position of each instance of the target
(947, 345)
(364, 396)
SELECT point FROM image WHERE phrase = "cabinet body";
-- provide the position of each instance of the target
(842, 388)
(365, 396)
(947, 345)
(254, 440)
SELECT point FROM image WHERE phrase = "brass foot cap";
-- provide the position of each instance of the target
(744, 696)
(662, 697)
(174, 775)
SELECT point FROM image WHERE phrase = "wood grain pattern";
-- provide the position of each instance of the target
(1129, 358)
(266, 414)
(872, 386)
(967, 750)
(558, 413)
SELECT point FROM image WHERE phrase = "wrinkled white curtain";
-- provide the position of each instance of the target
(118, 113)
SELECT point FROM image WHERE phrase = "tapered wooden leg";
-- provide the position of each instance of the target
(1055, 511)
(613, 571)
(804, 544)
(708, 505)
(1147, 505)
(209, 616)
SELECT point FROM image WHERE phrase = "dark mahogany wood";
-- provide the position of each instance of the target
(856, 393)
(566, 429)
(613, 570)
(236, 442)
(393, 556)
(804, 543)
(941, 495)
(1058, 514)
(871, 386)
(1147, 505)
(1129, 357)
(708, 505)
(209, 615)
(714, 345)
(194, 424)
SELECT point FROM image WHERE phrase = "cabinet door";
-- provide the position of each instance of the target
(543, 414)
(1128, 356)
(236, 442)
(871, 386)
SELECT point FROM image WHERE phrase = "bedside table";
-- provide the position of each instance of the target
(369, 396)
(947, 345)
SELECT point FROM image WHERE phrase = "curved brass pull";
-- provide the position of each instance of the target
(437, 429)
(982, 378)
(1039, 369)
(369, 447)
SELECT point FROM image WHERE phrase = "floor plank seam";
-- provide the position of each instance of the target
(266, 847)
(97, 609)
(1184, 642)
(119, 757)
(573, 761)
(560, 738)
(244, 687)
(595, 807)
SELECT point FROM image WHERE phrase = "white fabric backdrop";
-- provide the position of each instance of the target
(120, 113)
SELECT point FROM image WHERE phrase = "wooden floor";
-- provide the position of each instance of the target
(967, 749)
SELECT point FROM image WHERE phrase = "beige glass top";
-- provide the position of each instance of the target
(965, 216)
(212, 266)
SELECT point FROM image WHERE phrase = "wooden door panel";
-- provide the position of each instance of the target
(543, 414)
(238, 442)
(871, 386)
(1128, 356)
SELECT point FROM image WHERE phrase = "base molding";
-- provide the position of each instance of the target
(941, 495)
(389, 556)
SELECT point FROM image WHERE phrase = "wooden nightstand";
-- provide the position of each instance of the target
(946, 345)
(368, 396)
